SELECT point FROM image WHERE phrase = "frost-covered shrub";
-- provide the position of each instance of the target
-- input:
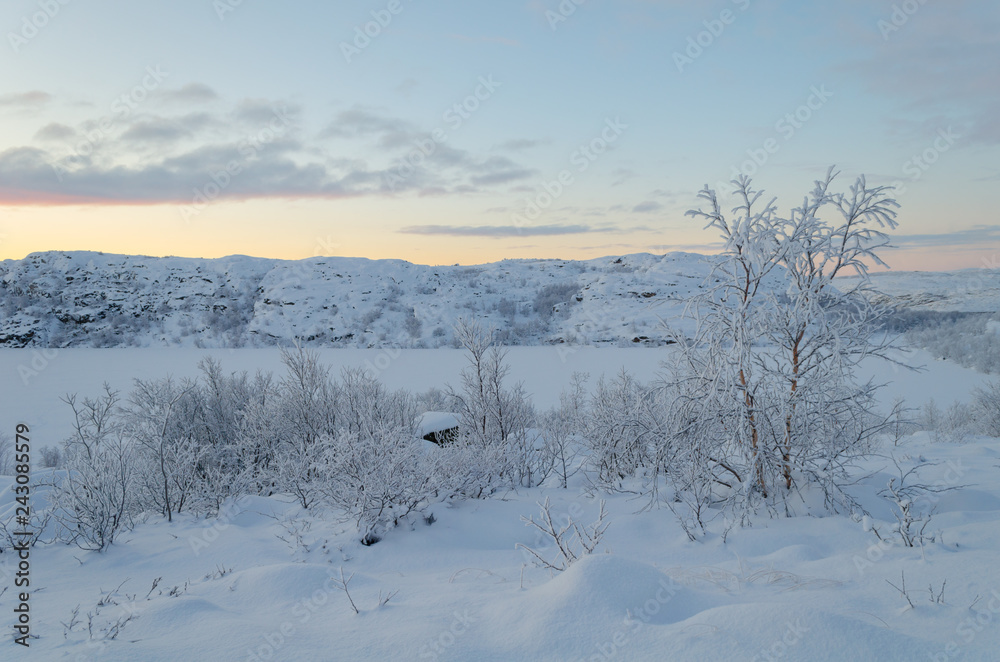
(965, 338)
(412, 324)
(986, 408)
(6, 455)
(375, 476)
(96, 498)
(619, 429)
(496, 418)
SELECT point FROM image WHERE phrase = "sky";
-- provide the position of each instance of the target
(473, 131)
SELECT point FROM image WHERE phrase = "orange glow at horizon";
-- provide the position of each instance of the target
(354, 228)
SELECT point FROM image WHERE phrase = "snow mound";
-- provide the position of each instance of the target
(280, 584)
(597, 600)
(611, 587)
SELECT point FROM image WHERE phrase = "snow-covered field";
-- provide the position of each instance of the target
(259, 582)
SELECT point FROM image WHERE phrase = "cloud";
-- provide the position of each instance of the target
(934, 66)
(521, 144)
(25, 100)
(362, 123)
(647, 207)
(622, 175)
(30, 176)
(498, 170)
(256, 147)
(407, 87)
(190, 93)
(54, 131)
(261, 112)
(978, 236)
(501, 230)
(156, 130)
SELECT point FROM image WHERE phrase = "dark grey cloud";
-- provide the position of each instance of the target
(501, 230)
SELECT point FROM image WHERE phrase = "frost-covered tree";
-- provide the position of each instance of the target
(772, 363)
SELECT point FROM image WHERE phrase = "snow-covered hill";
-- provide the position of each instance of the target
(65, 299)
(84, 299)
(965, 291)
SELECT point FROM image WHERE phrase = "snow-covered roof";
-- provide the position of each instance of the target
(436, 421)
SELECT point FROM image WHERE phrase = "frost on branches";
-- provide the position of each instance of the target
(766, 386)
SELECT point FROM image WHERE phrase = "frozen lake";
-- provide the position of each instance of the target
(33, 380)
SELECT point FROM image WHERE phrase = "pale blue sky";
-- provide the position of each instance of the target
(245, 129)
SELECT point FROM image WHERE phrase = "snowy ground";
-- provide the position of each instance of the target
(256, 583)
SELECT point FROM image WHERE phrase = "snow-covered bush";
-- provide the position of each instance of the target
(570, 540)
(964, 338)
(6, 455)
(986, 408)
(375, 476)
(97, 496)
(550, 296)
(562, 429)
(306, 411)
(620, 429)
(496, 419)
